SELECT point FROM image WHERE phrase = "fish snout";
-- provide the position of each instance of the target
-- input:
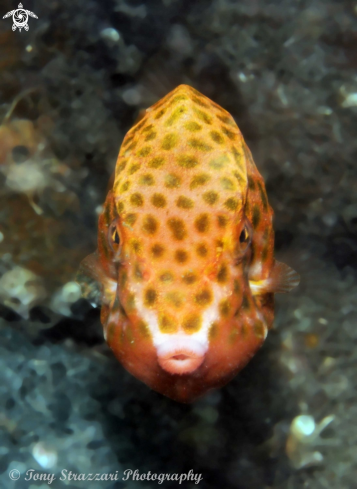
(180, 355)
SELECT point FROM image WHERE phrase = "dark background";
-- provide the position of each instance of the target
(76, 81)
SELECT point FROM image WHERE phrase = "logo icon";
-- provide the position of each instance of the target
(20, 17)
(14, 474)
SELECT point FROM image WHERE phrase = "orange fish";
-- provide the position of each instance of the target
(185, 256)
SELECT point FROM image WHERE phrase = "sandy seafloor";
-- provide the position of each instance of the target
(70, 88)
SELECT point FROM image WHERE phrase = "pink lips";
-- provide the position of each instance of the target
(179, 355)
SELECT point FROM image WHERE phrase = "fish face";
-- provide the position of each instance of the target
(185, 249)
(184, 297)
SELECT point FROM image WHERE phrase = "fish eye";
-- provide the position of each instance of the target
(244, 236)
(243, 242)
(115, 236)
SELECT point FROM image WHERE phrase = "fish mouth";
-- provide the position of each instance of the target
(180, 355)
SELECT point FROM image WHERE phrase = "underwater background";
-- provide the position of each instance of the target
(70, 88)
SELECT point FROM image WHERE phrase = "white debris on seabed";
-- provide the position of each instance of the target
(179, 40)
(139, 11)
(132, 96)
(110, 34)
(63, 299)
(348, 99)
(304, 437)
(27, 177)
(20, 290)
(44, 455)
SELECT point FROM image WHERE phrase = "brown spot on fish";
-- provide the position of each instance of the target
(120, 166)
(216, 137)
(199, 101)
(123, 277)
(130, 218)
(199, 144)
(146, 179)
(127, 140)
(226, 119)
(222, 221)
(192, 126)
(202, 250)
(251, 183)
(234, 334)
(150, 297)
(167, 324)
(145, 151)
(203, 116)
(245, 303)
(199, 180)
(178, 98)
(175, 116)
(130, 302)
(143, 329)
(166, 277)
(137, 199)
(147, 128)
(231, 204)
(256, 216)
(237, 156)
(222, 275)
(184, 202)
(219, 162)
(156, 162)
(263, 196)
(181, 256)
(134, 168)
(230, 134)
(228, 184)
(187, 161)
(151, 136)
(224, 307)
(213, 331)
(150, 225)
(259, 329)
(136, 246)
(157, 250)
(139, 125)
(169, 141)
(210, 197)
(189, 278)
(192, 323)
(203, 298)
(172, 181)
(202, 223)
(175, 298)
(125, 186)
(160, 113)
(177, 227)
(158, 200)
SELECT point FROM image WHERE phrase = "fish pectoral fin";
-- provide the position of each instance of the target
(97, 286)
(90, 267)
(281, 280)
(89, 278)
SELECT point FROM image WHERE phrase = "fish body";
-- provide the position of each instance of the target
(185, 255)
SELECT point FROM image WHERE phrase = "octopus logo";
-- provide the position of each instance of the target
(20, 17)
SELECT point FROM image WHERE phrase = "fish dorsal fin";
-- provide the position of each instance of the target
(281, 280)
